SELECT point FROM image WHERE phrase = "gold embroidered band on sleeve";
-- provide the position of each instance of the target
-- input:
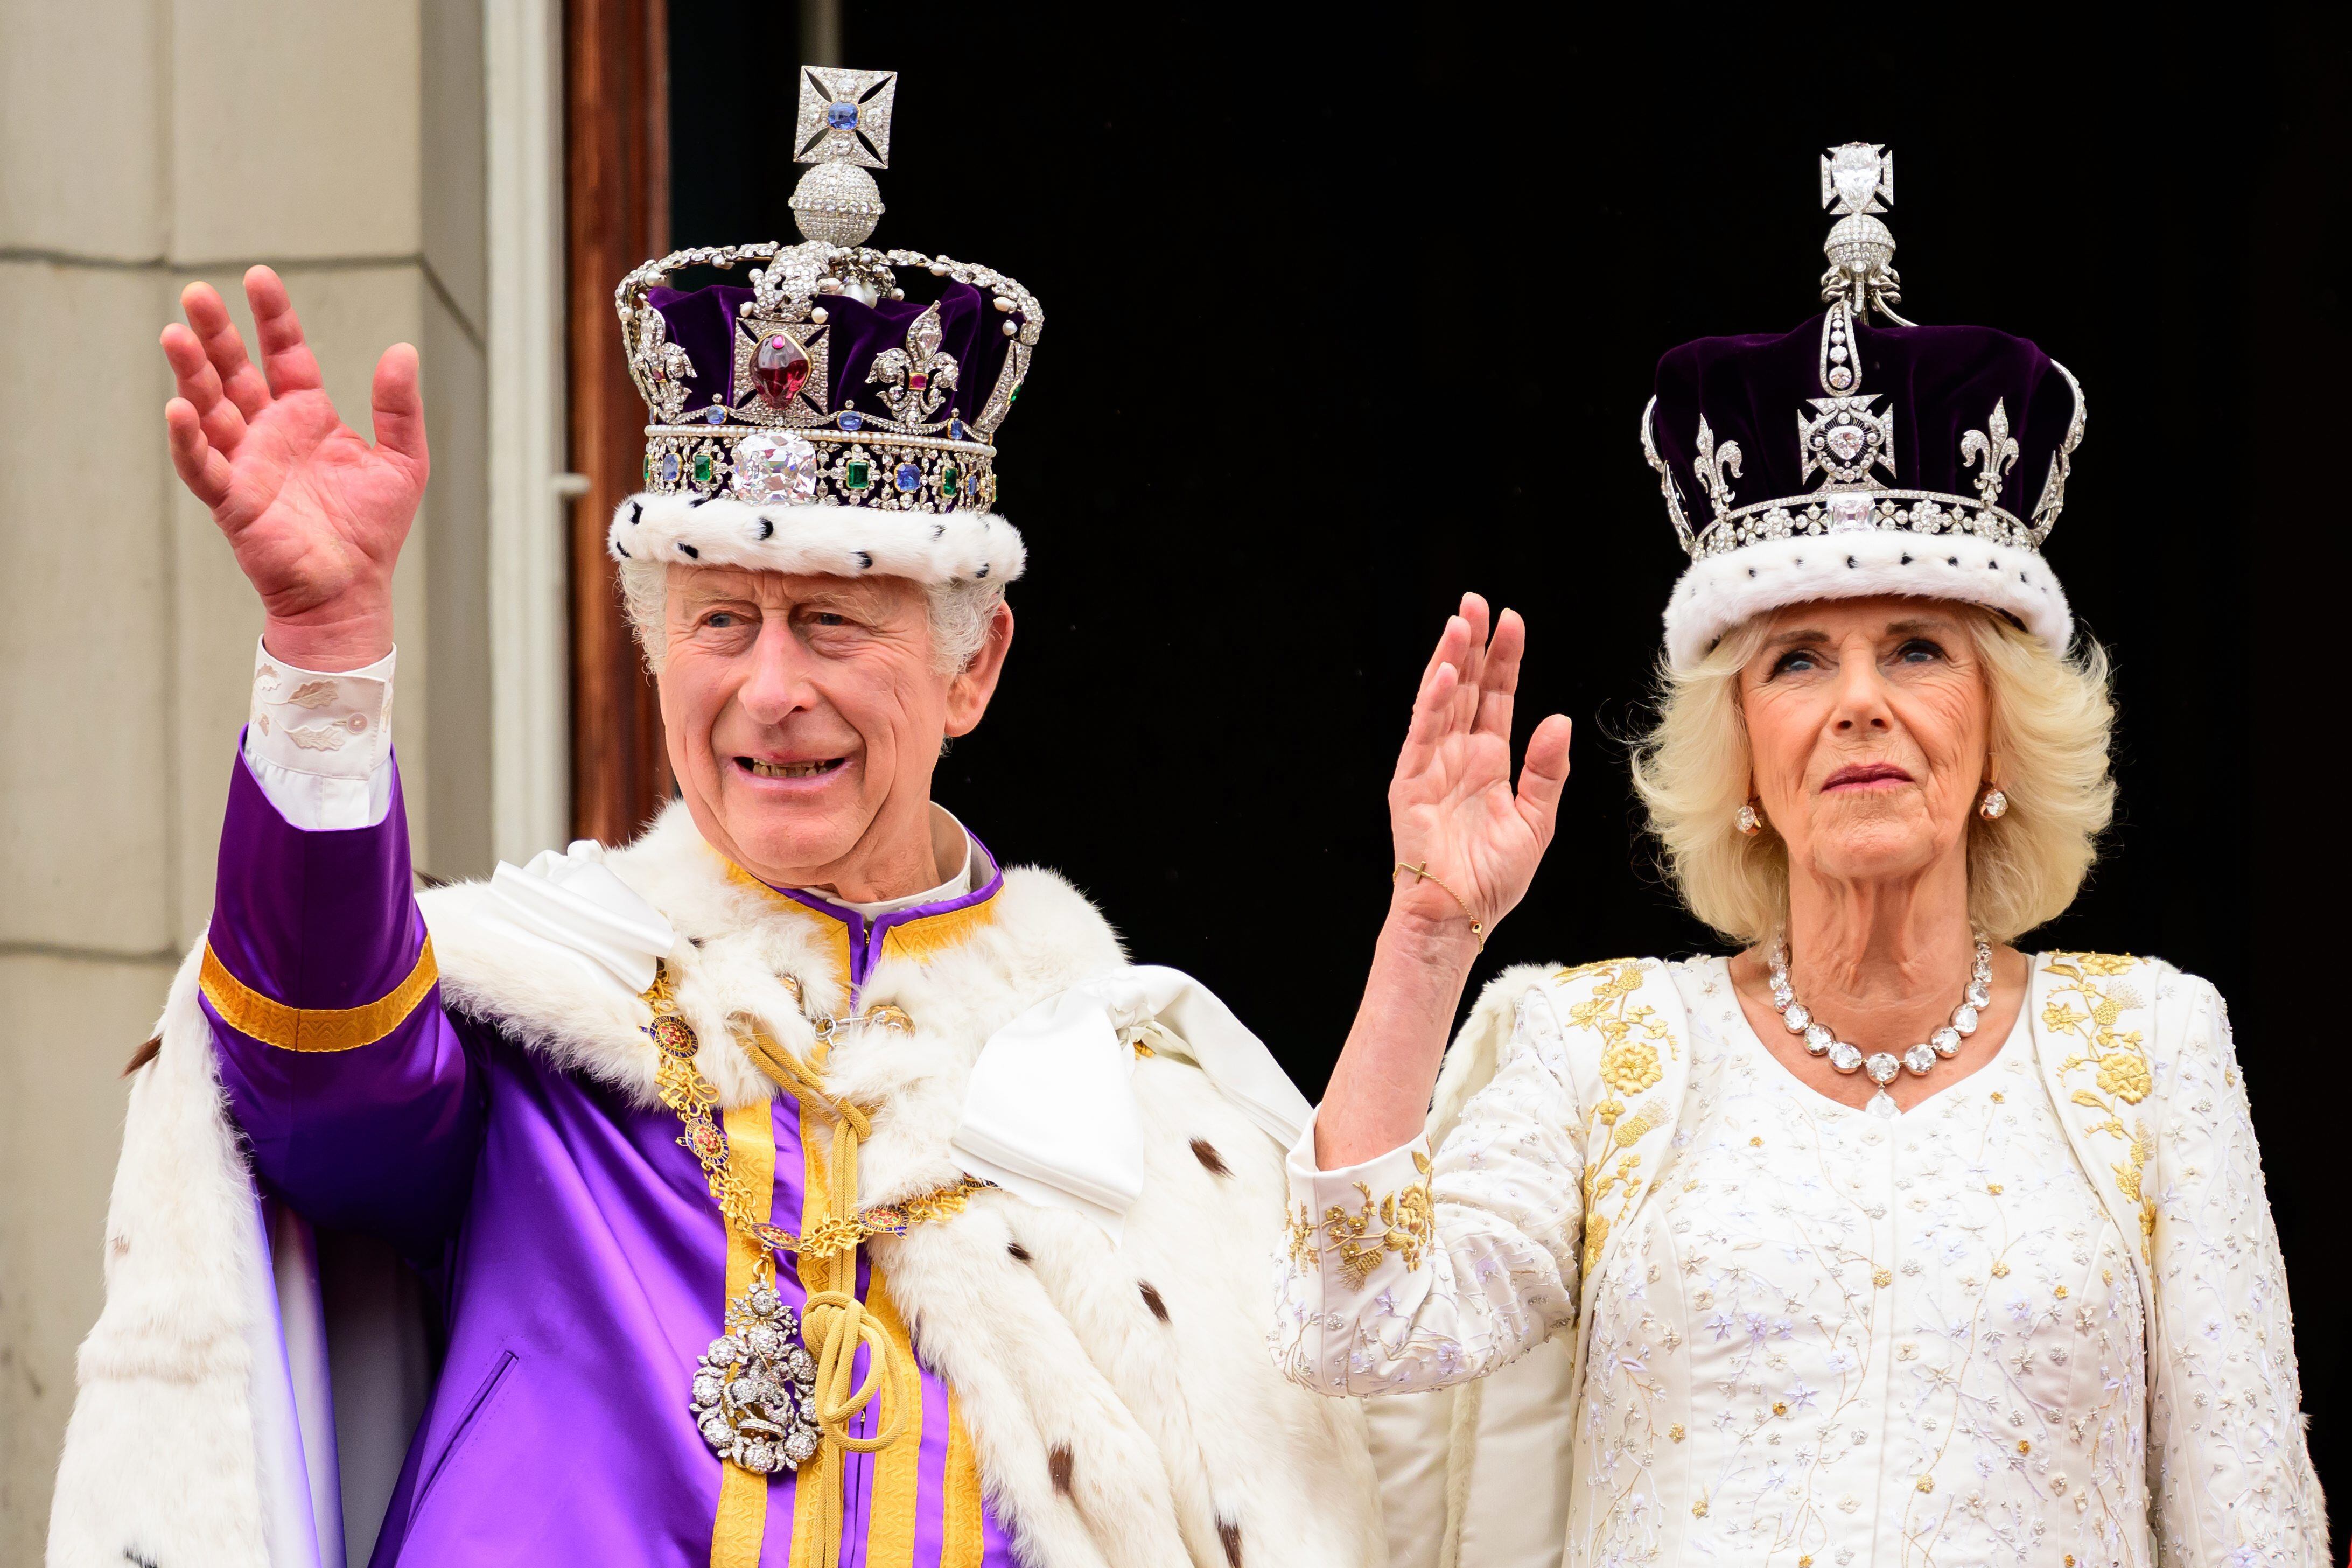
(273, 1023)
(1403, 1221)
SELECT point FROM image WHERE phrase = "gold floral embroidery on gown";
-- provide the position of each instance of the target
(1820, 1338)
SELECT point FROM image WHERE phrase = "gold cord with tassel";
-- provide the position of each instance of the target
(834, 1322)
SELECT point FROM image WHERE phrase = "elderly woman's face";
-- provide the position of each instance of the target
(1868, 722)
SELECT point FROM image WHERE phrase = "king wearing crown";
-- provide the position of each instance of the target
(795, 1185)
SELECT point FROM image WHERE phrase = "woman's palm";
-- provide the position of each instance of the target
(1452, 807)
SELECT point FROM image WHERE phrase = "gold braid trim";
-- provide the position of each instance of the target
(273, 1023)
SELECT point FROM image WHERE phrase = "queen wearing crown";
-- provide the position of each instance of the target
(1884, 1240)
(797, 1184)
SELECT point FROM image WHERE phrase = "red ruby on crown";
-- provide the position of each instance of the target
(780, 367)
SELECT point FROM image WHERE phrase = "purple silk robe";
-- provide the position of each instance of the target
(580, 1260)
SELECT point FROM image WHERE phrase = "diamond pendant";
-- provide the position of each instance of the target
(755, 1396)
(1882, 1105)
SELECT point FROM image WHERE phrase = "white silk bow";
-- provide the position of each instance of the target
(1050, 1112)
(574, 901)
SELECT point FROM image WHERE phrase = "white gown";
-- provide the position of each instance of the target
(1829, 1339)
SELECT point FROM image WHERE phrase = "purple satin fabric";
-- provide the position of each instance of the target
(579, 1258)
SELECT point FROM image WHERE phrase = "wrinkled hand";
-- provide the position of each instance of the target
(1450, 805)
(315, 514)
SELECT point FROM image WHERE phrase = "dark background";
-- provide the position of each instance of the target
(1348, 313)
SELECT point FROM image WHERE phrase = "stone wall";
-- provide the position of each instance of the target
(143, 143)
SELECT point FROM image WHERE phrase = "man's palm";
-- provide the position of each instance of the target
(315, 514)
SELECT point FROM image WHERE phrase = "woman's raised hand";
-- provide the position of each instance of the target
(1454, 812)
(315, 514)
(1451, 808)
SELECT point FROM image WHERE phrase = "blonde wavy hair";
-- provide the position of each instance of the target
(2051, 721)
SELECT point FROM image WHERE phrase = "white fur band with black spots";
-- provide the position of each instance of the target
(1719, 592)
(651, 529)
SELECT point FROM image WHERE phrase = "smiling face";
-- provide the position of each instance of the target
(1868, 722)
(804, 716)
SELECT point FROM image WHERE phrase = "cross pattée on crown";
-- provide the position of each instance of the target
(1856, 176)
(845, 117)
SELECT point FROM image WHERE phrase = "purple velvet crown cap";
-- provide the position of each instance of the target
(1936, 384)
(702, 322)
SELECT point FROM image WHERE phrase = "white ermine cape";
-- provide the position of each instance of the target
(1106, 1436)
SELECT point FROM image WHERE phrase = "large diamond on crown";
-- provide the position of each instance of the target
(775, 471)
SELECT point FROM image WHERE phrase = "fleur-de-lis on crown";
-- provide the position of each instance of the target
(1713, 464)
(1994, 447)
(918, 378)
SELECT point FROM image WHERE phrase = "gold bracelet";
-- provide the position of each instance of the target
(1477, 926)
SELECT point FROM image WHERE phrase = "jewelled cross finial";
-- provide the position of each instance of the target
(845, 117)
(1857, 180)
(1858, 176)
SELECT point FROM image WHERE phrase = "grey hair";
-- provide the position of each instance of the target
(960, 612)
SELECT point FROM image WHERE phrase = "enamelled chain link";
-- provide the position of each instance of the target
(753, 1396)
(1880, 1067)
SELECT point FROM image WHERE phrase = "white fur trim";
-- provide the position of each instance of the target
(651, 529)
(162, 1460)
(1178, 1428)
(1722, 591)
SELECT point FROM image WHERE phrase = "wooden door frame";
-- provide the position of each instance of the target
(616, 216)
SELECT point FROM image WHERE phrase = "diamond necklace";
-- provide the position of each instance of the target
(1821, 1040)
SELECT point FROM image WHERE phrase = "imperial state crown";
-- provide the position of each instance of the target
(1862, 454)
(836, 411)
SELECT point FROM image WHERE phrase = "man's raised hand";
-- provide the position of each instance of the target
(315, 514)
(1452, 807)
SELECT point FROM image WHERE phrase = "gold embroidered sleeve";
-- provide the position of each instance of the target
(1419, 1269)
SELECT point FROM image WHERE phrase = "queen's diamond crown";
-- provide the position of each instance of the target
(2015, 408)
(817, 381)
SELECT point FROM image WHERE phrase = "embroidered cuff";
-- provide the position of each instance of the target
(308, 721)
(319, 745)
(273, 1023)
(1358, 1224)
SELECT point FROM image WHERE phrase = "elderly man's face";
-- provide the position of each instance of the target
(804, 716)
(1867, 723)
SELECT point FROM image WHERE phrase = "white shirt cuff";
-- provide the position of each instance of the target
(320, 743)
